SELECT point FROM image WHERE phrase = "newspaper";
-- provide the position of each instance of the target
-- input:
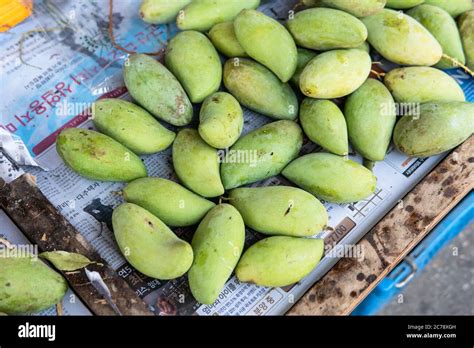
(75, 64)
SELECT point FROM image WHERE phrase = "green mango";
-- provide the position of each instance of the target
(27, 285)
(192, 58)
(175, 205)
(97, 156)
(401, 39)
(279, 261)
(403, 4)
(148, 244)
(261, 154)
(332, 178)
(223, 38)
(264, 39)
(258, 89)
(217, 243)
(161, 11)
(370, 114)
(444, 29)
(358, 8)
(304, 56)
(438, 128)
(221, 120)
(326, 29)
(280, 210)
(197, 164)
(335, 74)
(466, 28)
(453, 7)
(325, 125)
(202, 15)
(415, 85)
(156, 89)
(131, 126)
(364, 47)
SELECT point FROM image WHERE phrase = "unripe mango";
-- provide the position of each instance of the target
(156, 89)
(192, 58)
(27, 285)
(217, 243)
(332, 178)
(259, 89)
(280, 210)
(326, 29)
(268, 42)
(167, 200)
(415, 85)
(304, 56)
(261, 153)
(148, 244)
(466, 28)
(197, 164)
(453, 7)
(97, 156)
(131, 126)
(202, 15)
(161, 11)
(401, 39)
(279, 261)
(223, 38)
(403, 4)
(370, 114)
(439, 128)
(221, 120)
(335, 74)
(358, 8)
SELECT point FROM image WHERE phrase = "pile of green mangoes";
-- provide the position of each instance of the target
(291, 73)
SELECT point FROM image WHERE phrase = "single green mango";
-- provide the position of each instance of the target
(27, 285)
(197, 164)
(131, 126)
(403, 4)
(326, 29)
(332, 178)
(167, 200)
(280, 210)
(279, 261)
(258, 89)
(148, 244)
(221, 120)
(161, 11)
(438, 128)
(202, 15)
(401, 39)
(97, 156)
(370, 114)
(217, 243)
(453, 7)
(466, 28)
(261, 153)
(304, 56)
(358, 8)
(156, 89)
(335, 74)
(223, 38)
(415, 85)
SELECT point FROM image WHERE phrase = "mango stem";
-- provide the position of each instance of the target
(458, 64)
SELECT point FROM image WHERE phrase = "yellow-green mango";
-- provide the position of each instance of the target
(161, 11)
(192, 58)
(202, 15)
(438, 128)
(335, 74)
(358, 8)
(444, 29)
(326, 29)
(131, 126)
(217, 244)
(324, 124)
(403, 4)
(27, 285)
(466, 28)
(156, 89)
(370, 114)
(453, 7)
(148, 244)
(280, 210)
(401, 39)
(97, 156)
(332, 178)
(197, 164)
(415, 85)
(265, 39)
(221, 120)
(223, 38)
(304, 56)
(261, 154)
(279, 261)
(258, 89)
(172, 203)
